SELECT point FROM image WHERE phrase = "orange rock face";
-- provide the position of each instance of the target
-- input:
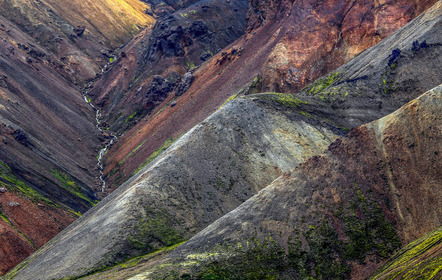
(321, 37)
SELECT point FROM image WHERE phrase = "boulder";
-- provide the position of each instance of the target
(184, 84)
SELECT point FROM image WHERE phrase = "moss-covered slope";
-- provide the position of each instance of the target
(421, 259)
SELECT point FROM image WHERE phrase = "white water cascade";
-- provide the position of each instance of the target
(106, 147)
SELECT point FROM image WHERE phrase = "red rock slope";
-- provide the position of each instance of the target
(297, 43)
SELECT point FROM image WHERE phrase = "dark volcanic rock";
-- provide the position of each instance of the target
(79, 30)
(184, 84)
(158, 90)
(21, 137)
(171, 41)
(175, 44)
(198, 28)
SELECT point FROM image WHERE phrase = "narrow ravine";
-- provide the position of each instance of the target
(103, 151)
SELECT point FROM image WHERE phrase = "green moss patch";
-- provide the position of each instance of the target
(228, 100)
(131, 117)
(155, 228)
(69, 184)
(421, 259)
(8, 178)
(285, 99)
(327, 88)
(321, 84)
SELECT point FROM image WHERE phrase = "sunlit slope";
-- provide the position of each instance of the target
(108, 22)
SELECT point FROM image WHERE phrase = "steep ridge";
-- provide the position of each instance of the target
(211, 170)
(48, 138)
(258, 53)
(229, 157)
(338, 215)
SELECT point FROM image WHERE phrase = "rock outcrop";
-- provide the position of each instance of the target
(178, 42)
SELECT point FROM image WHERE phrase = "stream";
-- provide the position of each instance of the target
(103, 151)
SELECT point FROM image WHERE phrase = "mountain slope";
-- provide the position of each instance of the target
(177, 44)
(82, 33)
(231, 156)
(261, 52)
(421, 258)
(337, 215)
(49, 141)
(46, 130)
(209, 171)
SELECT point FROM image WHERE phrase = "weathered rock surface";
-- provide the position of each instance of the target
(78, 31)
(382, 78)
(209, 171)
(25, 226)
(337, 215)
(176, 43)
(41, 117)
(287, 58)
(320, 37)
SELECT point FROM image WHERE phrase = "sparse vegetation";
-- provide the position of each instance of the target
(131, 117)
(15, 184)
(155, 154)
(286, 99)
(155, 227)
(410, 262)
(314, 251)
(387, 84)
(190, 65)
(228, 100)
(319, 85)
(69, 184)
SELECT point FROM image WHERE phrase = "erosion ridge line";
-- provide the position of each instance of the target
(218, 166)
(272, 49)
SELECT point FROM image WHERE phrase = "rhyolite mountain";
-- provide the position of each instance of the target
(336, 216)
(287, 45)
(371, 191)
(153, 89)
